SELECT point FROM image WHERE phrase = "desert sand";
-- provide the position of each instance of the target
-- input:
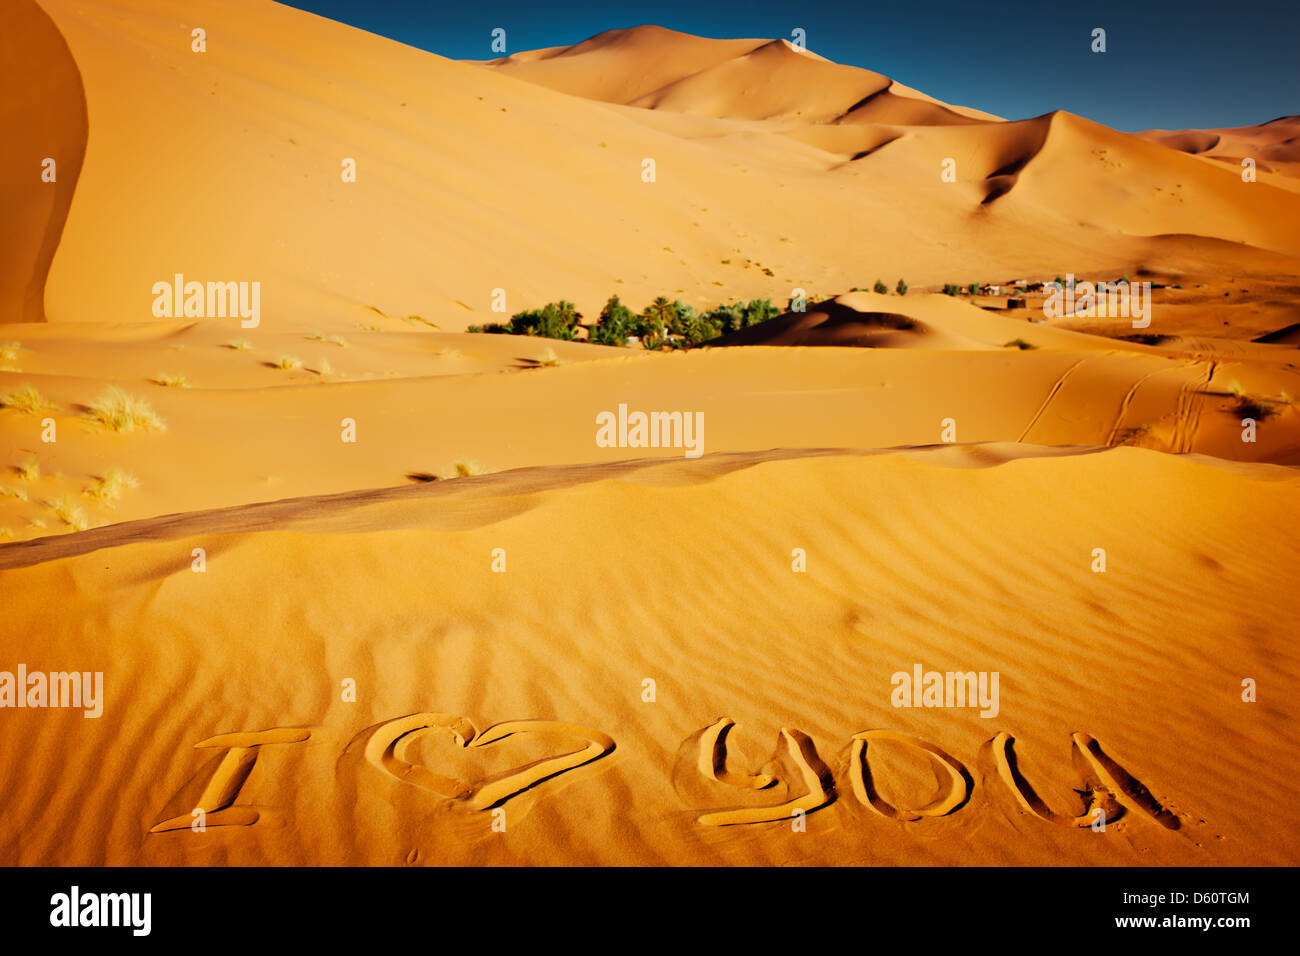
(431, 645)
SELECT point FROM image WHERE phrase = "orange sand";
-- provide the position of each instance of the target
(523, 689)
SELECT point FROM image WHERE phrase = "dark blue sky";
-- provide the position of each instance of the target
(1168, 64)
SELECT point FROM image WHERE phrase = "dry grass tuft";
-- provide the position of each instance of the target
(119, 412)
(108, 487)
(70, 513)
(26, 399)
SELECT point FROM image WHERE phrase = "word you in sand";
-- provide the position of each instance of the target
(211, 300)
(1108, 789)
(82, 689)
(625, 429)
(946, 689)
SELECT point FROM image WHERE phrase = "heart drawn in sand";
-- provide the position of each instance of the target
(390, 747)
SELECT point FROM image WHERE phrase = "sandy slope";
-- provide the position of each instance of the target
(43, 115)
(662, 69)
(328, 560)
(1275, 146)
(679, 572)
(471, 179)
(421, 402)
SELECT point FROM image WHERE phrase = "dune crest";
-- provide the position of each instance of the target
(732, 119)
(45, 131)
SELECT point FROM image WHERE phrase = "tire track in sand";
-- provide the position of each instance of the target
(1051, 394)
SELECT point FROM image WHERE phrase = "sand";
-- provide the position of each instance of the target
(678, 572)
(475, 635)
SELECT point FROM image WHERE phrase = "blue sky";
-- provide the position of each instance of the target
(1168, 64)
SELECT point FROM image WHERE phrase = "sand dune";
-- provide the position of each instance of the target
(44, 119)
(926, 321)
(597, 68)
(434, 225)
(370, 588)
(1108, 655)
(660, 69)
(1275, 145)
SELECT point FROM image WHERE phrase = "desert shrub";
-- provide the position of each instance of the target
(951, 289)
(655, 337)
(287, 363)
(108, 487)
(26, 399)
(1132, 436)
(171, 380)
(1019, 344)
(1257, 408)
(684, 319)
(658, 318)
(727, 318)
(692, 328)
(555, 320)
(615, 324)
(117, 411)
(70, 513)
(466, 468)
(703, 331)
(901, 288)
(759, 310)
(880, 288)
